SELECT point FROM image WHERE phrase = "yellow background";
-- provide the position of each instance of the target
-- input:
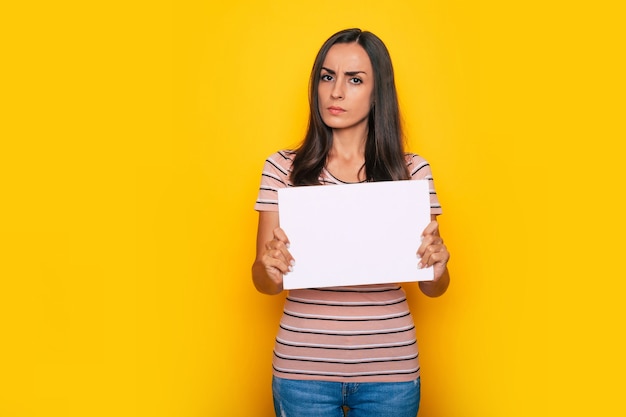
(132, 140)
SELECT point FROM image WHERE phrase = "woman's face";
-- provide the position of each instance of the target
(345, 87)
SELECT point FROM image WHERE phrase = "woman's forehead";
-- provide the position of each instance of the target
(347, 57)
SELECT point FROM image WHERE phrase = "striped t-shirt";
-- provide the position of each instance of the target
(346, 334)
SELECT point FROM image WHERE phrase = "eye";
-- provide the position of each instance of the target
(326, 77)
(356, 80)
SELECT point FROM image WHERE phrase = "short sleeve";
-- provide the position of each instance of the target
(275, 175)
(419, 169)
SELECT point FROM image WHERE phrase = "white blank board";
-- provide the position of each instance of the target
(355, 234)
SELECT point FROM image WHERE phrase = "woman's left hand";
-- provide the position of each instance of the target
(432, 251)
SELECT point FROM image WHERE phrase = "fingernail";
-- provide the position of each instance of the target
(290, 268)
(287, 245)
(420, 266)
(292, 262)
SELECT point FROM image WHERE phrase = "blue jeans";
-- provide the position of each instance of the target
(294, 398)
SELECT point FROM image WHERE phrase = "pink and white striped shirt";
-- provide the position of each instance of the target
(346, 334)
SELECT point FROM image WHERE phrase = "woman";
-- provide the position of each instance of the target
(346, 348)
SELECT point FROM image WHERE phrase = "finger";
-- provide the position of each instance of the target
(431, 229)
(276, 259)
(276, 244)
(433, 255)
(279, 234)
(278, 249)
(282, 243)
(428, 241)
(274, 273)
(280, 254)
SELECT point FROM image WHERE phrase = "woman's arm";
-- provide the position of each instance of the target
(273, 260)
(432, 252)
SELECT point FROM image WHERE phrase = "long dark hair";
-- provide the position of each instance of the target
(384, 147)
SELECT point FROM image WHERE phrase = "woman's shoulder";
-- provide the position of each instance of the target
(284, 156)
(279, 164)
(282, 159)
(416, 163)
(413, 159)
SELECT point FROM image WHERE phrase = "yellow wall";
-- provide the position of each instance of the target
(133, 135)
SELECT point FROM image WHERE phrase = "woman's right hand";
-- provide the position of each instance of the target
(273, 259)
(276, 259)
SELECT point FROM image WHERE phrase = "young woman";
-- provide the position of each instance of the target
(346, 348)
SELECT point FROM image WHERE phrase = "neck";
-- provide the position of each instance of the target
(349, 144)
(346, 159)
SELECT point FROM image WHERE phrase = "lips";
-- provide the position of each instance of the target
(336, 110)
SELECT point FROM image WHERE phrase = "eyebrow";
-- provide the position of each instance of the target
(349, 73)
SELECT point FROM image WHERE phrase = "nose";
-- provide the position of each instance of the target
(337, 90)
